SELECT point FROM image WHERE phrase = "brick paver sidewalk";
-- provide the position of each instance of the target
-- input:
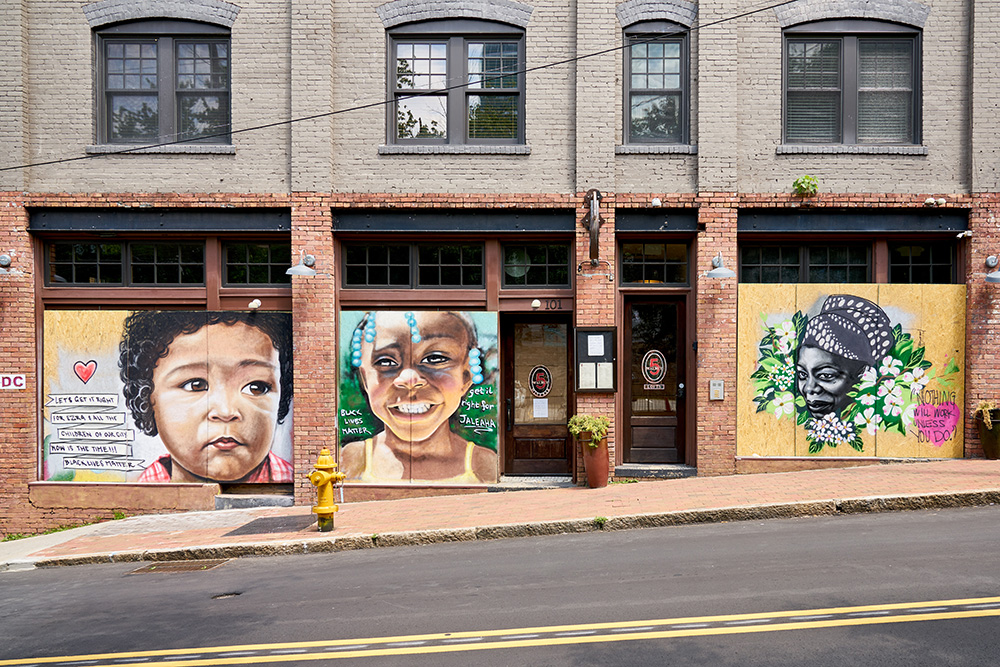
(483, 516)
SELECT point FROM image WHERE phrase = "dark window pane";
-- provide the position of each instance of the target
(355, 254)
(192, 275)
(472, 276)
(378, 275)
(236, 273)
(144, 274)
(399, 276)
(428, 275)
(378, 255)
(85, 273)
(259, 274)
(167, 253)
(451, 275)
(354, 275)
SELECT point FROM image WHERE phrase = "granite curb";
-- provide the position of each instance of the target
(324, 544)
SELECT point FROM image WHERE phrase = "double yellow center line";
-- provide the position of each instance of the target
(555, 635)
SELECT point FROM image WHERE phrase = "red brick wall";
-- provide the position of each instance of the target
(595, 307)
(716, 331)
(982, 324)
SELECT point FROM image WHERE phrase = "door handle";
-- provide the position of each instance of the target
(510, 414)
(680, 391)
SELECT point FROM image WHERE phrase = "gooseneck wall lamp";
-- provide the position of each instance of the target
(304, 267)
(719, 269)
(991, 263)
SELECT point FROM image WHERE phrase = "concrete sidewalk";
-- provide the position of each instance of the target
(292, 530)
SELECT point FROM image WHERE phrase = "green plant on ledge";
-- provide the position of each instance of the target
(805, 186)
(596, 426)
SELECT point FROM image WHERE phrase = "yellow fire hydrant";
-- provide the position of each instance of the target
(323, 478)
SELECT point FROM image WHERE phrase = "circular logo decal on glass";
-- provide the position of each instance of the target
(540, 381)
(654, 367)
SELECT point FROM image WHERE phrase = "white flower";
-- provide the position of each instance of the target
(890, 366)
(887, 387)
(868, 378)
(908, 414)
(784, 404)
(866, 399)
(785, 329)
(784, 345)
(893, 403)
(870, 420)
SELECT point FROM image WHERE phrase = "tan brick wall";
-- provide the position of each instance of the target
(985, 81)
(360, 78)
(945, 103)
(12, 98)
(60, 87)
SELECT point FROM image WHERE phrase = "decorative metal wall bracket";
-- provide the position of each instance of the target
(592, 221)
(592, 264)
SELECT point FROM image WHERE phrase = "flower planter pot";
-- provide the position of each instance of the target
(990, 438)
(595, 460)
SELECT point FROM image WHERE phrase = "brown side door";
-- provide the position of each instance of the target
(655, 381)
(537, 393)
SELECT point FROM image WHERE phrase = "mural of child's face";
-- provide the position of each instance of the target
(415, 387)
(823, 381)
(215, 400)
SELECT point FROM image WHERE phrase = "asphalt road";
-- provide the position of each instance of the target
(844, 590)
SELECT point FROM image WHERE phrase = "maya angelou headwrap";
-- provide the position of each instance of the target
(851, 327)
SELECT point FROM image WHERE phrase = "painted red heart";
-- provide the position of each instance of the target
(85, 371)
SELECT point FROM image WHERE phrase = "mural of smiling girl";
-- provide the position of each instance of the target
(428, 379)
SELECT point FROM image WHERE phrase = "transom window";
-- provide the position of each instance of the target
(413, 265)
(852, 82)
(457, 88)
(135, 263)
(656, 83)
(164, 81)
(257, 263)
(922, 262)
(908, 262)
(536, 265)
(654, 263)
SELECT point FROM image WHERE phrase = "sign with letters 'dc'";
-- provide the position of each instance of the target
(15, 381)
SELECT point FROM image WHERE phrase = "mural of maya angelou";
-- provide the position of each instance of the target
(418, 397)
(848, 373)
(167, 396)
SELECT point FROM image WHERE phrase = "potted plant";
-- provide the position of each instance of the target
(592, 433)
(987, 417)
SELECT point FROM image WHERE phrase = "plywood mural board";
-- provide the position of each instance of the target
(418, 397)
(167, 396)
(878, 370)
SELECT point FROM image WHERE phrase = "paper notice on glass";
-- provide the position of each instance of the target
(595, 345)
(588, 376)
(540, 409)
(605, 375)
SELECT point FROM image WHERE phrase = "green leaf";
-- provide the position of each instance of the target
(857, 444)
(815, 447)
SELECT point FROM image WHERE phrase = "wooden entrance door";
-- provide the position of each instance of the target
(654, 386)
(537, 395)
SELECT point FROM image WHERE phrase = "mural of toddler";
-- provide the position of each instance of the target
(213, 385)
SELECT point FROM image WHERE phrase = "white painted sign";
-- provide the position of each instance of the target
(13, 381)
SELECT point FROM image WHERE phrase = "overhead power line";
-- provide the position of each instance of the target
(385, 102)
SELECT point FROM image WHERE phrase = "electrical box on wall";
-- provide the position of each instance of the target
(716, 390)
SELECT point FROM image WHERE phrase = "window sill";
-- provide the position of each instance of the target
(455, 149)
(173, 149)
(849, 149)
(657, 149)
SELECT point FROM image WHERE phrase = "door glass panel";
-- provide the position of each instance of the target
(654, 360)
(540, 383)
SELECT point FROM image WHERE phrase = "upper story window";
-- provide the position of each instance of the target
(456, 82)
(163, 81)
(852, 82)
(656, 83)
